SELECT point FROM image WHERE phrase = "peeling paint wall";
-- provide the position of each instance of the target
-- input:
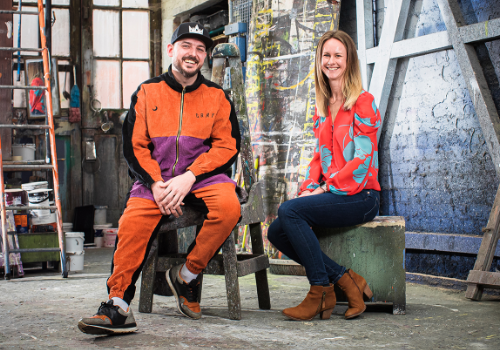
(435, 166)
(280, 93)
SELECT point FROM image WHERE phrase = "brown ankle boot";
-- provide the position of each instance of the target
(354, 287)
(319, 300)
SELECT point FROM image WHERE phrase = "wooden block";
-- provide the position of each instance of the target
(376, 251)
(39, 240)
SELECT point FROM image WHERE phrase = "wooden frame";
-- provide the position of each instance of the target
(35, 99)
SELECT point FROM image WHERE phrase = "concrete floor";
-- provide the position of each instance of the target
(41, 311)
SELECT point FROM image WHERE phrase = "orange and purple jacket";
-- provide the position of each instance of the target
(346, 153)
(170, 130)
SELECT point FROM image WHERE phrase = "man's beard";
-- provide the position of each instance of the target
(185, 74)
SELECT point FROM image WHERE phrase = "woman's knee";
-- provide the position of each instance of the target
(287, 209)
(273, 232)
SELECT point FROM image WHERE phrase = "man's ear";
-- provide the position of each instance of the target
(170, 50)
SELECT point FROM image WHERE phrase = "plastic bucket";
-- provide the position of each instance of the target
(26, 151)
(98, 229)
(110, 237)
(67, 226)
(30, 186)
(44, 219)
(99, 241)
(100, 215)
(39, 197)
(16, 197)
(74, 250)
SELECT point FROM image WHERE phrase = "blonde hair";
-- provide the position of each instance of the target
(352, 85)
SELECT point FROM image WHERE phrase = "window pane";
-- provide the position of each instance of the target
(64, 85)
(135, 3)
(135, 38)
(107, 84)
(107, 2)
(30, 31)
(106, 33)
(60, 33)
(134, 73)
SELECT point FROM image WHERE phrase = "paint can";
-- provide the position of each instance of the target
(67, 226)
(44, 219)
(30, 186)
(74, 250)
(100, 215)
(25, 150)
(39, 197)
(110, 237)
(98, 234)
(16, 196)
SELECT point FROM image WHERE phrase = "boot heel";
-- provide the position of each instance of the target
(367, 292)
(325, 315)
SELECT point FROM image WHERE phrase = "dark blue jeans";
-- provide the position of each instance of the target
(291, 232)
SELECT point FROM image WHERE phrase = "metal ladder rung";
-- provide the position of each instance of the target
(24, 162)
(22, 87)
(20, 167)
(34, 250)
(24, 126)
(18, 12)
(20, 49)
(25, 207)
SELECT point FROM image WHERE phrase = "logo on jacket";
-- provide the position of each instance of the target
(155, 109)
(196, 30)
(207, 115)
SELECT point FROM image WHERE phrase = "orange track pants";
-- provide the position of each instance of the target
(136, 231)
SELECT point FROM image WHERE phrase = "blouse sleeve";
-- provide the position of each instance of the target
(313, 173)
(355, 174)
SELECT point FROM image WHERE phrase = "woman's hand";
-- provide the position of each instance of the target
(319, 190)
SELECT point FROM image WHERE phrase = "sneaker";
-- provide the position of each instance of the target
(185, 294)
(109, 319)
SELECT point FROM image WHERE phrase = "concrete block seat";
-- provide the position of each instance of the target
(376, 251)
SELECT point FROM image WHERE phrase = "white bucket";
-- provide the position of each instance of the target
(25, 150)
(67, 226)
(30, 186)
(74, 250)
(39, 197)
(100, 215)
(44, 219)
(98, 229)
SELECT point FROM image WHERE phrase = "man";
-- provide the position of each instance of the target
(179, 137)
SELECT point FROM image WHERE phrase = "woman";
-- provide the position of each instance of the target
(341, 186)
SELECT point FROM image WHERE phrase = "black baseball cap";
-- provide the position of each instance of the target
(192, 30)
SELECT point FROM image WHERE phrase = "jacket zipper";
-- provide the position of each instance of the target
(178, 133)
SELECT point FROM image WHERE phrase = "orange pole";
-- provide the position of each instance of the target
(52, 138)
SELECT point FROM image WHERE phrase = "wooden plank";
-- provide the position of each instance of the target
(148, 279)
(6, 79)
(484, 278)
(481, 32)
(474, 78)
(413, 47)
(364, 26)
(486, 251)
(383, 73)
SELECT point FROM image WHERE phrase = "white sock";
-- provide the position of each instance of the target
(187, 275)
(120, 302)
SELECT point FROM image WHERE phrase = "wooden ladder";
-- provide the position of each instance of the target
(36, 164)
(481, 277)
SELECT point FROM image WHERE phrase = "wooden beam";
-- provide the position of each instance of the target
(481, 32)
(383, 73)
(418, 46)
(486, 251)
(474, 79)
(364, 29)
(484, 278)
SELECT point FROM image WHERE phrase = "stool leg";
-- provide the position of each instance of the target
(231, 275)
(260, 276)
(148, 278)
